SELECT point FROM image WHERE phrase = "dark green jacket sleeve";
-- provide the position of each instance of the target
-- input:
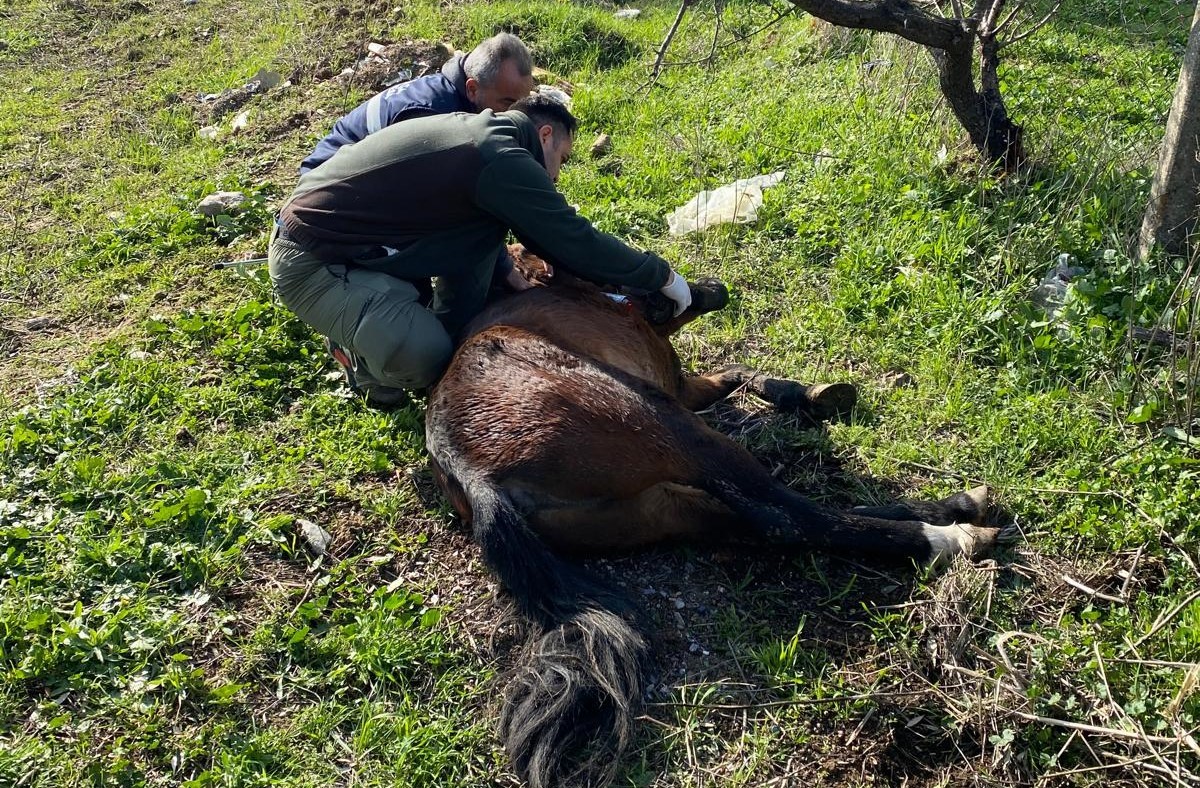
(514, 188)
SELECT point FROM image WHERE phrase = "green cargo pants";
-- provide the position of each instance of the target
(376, 316)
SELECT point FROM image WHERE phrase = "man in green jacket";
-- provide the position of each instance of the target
(436, 197)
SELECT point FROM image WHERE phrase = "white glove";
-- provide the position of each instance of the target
(678, 291)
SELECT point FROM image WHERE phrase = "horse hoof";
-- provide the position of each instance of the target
(709, 295)
(970, 506)
(829, 401)
(973, 542)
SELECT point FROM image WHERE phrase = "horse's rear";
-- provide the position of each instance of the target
(560, 427)
(521, 425)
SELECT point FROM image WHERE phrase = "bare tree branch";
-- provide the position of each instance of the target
(892, 16)
(1006, 21)
(987, 25)
(666, 44)
(1035, 28)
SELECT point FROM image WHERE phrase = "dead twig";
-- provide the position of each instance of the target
(773, 704)
(1073, 583)
(1036, 27)
(1165, 619)
(666, 44)
(1157, 663)
(1129, 574)
(1120, 712)
(1116, 764)
(1115, 733)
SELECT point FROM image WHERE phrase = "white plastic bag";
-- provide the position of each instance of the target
(736, 203)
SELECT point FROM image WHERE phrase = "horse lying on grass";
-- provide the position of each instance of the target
(565, 424)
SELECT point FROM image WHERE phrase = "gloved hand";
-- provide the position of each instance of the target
(678, 291)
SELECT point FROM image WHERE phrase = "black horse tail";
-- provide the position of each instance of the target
(570, 703)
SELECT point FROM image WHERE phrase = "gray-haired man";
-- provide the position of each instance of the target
(493, 76)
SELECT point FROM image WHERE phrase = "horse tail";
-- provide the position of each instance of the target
(570, 703)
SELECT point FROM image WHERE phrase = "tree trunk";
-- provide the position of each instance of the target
(1170, 219)
(981, 112)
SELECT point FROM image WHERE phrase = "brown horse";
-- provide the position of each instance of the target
(565, 424)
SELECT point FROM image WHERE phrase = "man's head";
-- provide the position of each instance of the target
(499, 72)
(555, 127)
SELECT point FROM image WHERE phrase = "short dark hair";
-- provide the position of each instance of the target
(543, 110)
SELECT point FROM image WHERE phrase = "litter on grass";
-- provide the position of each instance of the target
(733, 203)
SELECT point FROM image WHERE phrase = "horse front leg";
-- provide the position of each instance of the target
(821, 401)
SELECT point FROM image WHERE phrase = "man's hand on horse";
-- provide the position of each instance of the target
(528, 269)
(517, 280)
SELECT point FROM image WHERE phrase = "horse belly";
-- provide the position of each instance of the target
(665, 512)
(530, 414)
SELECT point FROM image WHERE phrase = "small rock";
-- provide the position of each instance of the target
(559, 95)
(266, 79)
(543, 76)
(219, 203)
(628, 13)
(240, 122)
(899, 380)
(138, 355)
(209, 132)
(316, 537)
(679, 605)
(38, 323)
(649, 591)
(375, 48)
(601, 145)
(679, 623)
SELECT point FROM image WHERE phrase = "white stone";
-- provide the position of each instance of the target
(316, 537)
(219, 203)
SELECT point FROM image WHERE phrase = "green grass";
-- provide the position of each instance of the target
(162, 621)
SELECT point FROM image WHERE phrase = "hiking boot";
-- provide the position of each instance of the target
(360, 380)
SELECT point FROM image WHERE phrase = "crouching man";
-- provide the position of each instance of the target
(435, 198)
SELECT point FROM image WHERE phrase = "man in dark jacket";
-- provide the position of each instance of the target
(436, 197)
(494, 75)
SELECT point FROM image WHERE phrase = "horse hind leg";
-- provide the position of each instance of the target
(970, 506)
(662, 513)
(770, 513)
